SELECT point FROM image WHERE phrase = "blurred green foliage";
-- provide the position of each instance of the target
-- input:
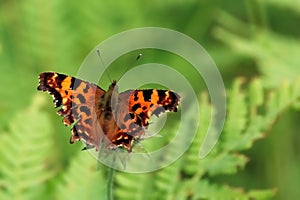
(255, 45)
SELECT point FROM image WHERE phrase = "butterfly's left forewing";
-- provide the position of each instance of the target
(77, 100)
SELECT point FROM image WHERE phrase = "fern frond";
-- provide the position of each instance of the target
(209, 190)
(167, 181)
(150, 185)
(25, 153)
(82, 180)
(134, 186)
(277, 61)
(237, 113)
(257, 114)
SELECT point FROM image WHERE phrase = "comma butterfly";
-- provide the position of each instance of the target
(105, 117)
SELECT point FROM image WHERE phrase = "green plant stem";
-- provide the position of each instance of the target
(110, 183)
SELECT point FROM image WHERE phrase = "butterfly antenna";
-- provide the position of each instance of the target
(139, 56)
(99, 55)
(136, 59)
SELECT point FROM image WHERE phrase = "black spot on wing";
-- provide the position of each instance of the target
(81, 98)
(86, 89)
(75, 83)
(131, 115)
(147, 94)
(85, 109)
(136, 106)
(162, 95)
(88, 121)
(135, 96)
(138, 121)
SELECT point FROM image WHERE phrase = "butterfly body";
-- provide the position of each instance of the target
(101, 117)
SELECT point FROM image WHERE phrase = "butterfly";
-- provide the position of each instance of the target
(99, 117)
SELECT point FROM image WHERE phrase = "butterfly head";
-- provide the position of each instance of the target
(113, 85)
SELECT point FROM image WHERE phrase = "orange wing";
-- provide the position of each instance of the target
(145, 103)
(136, 107)
(78, 100)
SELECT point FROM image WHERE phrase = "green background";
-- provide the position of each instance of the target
(248, 40)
